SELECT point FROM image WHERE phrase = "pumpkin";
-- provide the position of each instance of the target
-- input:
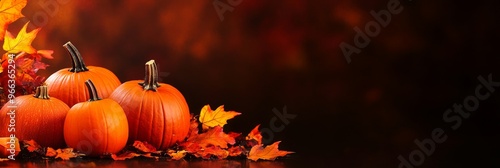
(68, 84)
(97, 126)
(157, 112)
(38, 117)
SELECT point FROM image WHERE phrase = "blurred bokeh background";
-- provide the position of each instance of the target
(271, 54)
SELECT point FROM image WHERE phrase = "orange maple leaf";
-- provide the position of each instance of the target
(66, 154)
(177, 155)
(255, 135)
(218, 117)
(236, 150)
(31, 145)
(209, 152)
(270, 152)
(22, 42)
(10, 11)
(4, 145)
(51, 152)
(144, 147)
(214, 136)
(124, 156)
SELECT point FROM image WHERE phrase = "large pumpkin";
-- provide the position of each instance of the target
(38, 117)
(157, 112)
(68, 84)
(97, 126)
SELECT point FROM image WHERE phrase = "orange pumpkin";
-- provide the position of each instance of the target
(68, 84)
(38, 117)
(97, 126)
(157, 112)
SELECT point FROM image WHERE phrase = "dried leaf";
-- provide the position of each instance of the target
(219, 117)
(177, 155)
(20, 43)
(234, 134)
(212, 151)
(214, 136)
(10, 11)
(50, 152)
(124, 156)
(66, 154)
(270, 152)
(255, 135)
(236, 150)
(193, 128)
(31, 145)
(5, 145)
(144, 147)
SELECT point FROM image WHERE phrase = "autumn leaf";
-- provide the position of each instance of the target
(236, 150)
(51, 152)
(31, 145)
(212, 151)
(193, 127)
(5, 144)
(177, 155)
(214, 136)
(218, 117)
(124, 156)
(22, 42)
(67, 154)
(270, 152)
(10, 11)
(144, 147)
(255, 135)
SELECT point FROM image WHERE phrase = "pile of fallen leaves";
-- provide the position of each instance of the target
(206, 140)
(28, 60)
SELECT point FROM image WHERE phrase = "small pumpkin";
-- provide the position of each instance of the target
(157, 112)
(68, 84)
(38, 117)
(97, 126)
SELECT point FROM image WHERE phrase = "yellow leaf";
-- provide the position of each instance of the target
(270, 152)
(22, 42)
(218, 117)
(10, 11)
(177, 155)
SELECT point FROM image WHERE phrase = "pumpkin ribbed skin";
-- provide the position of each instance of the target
(68, 84)
(96, 127)
(70, 88)
(37, 117)
(157, 112)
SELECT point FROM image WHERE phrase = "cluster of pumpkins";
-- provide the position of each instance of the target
(87, 108)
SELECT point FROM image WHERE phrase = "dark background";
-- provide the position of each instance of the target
(271, 54)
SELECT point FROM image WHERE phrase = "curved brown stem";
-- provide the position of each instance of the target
(151, 79)
(78, 64)
(42, 92)
(92, 91)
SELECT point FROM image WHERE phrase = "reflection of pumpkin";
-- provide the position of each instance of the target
(97, 126)
(157, 112)
(68, 84)
(38, 117)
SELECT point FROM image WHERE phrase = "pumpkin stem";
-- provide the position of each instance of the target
(151, 79)
(42, 92)
(78, 64)
(92, 90)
